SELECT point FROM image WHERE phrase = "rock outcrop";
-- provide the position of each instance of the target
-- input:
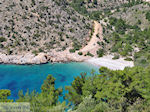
(24, 59)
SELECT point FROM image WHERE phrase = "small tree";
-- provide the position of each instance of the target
(100, 52)
(148, 16)
(2, 39)
(4, 94)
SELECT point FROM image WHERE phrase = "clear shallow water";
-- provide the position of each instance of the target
(23, 77)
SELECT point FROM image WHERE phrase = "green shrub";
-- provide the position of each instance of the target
(80, 53)
(100, 52)
(123, 53)
(1, 46)
(128, 59)
(9, 51)
(76, 45)
(74, 19)
(116, 57)
(89, 54)
(143, 61)
(72, 50)
(139, 22)
(35, 52)
(2, 39)
(95, 15)
(114, 49)
(62, 39)
(33, 2)
(120, 25)
(40, 50)
(148, 16)
(33, 44)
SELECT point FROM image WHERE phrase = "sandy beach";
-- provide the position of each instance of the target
(66, 56)
(107, 61)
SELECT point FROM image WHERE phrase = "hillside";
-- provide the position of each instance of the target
(113, 35)
(39, 25)
(127, 33)
(125, 27)
(59, 28)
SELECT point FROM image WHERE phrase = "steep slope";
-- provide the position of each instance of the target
(127, 33)
(39, 26)
(125, 27)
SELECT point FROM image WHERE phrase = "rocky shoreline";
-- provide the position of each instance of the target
(41, 58)
(60, 56)
(23, 59)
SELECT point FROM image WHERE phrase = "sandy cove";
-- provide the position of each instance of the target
(66, 56)
(42, 58)
(107, 61)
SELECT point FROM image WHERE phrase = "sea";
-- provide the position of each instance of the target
(31, 77)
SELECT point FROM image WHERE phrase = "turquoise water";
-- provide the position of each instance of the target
(23, 77)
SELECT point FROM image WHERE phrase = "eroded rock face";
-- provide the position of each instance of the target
(24, 59)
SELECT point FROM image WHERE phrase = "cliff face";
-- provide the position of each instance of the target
(39, 25)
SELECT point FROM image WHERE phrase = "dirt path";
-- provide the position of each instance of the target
(66, 56)
(92, 45)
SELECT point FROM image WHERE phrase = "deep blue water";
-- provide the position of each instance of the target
(23, 77)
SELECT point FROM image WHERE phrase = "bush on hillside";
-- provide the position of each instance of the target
(2, 39)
